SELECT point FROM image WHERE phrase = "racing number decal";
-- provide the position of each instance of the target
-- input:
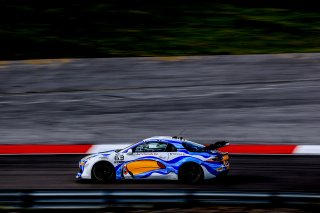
(119, 159)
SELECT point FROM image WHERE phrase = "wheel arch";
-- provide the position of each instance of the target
(191, 162)
(103, 161)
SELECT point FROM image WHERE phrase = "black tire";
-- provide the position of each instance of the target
(190, 173)
(103, 172)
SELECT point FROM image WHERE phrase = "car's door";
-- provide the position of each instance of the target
(145, 159)
(173, 153)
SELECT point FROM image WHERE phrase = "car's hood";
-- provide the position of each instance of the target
(107, 152)
(97, 154)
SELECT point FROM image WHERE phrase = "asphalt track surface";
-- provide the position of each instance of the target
(248, 173)
(241, 99)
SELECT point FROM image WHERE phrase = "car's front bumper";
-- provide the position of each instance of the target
(84, 171)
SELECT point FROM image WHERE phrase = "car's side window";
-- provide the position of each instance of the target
(151, 147)
(140, 148)
(171, 148)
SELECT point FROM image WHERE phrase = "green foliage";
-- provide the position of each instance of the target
(31, 29)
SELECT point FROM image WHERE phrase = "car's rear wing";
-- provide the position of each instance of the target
(217, 145)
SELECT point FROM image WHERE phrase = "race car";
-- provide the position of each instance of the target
(159, 157)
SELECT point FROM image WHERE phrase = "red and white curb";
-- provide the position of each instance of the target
(254, 149)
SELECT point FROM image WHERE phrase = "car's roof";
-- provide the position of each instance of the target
(175, 139)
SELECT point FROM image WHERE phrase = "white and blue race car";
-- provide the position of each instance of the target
(161, 157)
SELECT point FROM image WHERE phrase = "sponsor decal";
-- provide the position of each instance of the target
(176, 154)
(147, 153)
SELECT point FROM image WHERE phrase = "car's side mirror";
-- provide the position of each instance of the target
(129, 152)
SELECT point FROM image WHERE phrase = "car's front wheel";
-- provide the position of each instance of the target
(103, 172)
(190, 173)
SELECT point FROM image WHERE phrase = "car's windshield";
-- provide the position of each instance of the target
(192, 146)
(128, 147)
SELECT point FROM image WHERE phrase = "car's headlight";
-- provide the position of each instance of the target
(84, 160)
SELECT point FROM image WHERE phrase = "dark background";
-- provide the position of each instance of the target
(55, 29)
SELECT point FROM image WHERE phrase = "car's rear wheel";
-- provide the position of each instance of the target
(190, 173)
(103, 172)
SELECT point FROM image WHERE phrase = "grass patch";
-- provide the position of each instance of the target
(55, 29)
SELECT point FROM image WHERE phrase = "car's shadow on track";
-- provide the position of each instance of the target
(239, 179)
(227, 180)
